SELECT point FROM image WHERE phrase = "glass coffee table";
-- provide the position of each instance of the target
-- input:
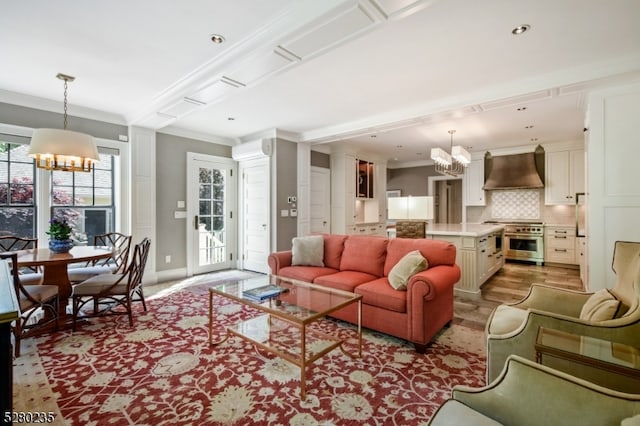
(284, 325)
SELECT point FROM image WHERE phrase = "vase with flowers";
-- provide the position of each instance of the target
(59, 233)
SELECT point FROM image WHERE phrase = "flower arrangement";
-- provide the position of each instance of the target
(59, 229)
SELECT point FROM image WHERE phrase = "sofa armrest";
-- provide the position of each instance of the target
(432, 282)
(279, 259)
(550, 299)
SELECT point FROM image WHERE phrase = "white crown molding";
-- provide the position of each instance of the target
(191, 134)
(514, 92)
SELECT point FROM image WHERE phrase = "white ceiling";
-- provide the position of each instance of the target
(325, 72)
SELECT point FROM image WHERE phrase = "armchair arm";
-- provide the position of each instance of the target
(526, 393)
(550, 299)
(279, 259)
(522, 340)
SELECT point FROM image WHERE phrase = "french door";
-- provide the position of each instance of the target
(211, 229)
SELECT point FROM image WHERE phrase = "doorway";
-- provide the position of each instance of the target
(255, 204)
(447, 194)
(211, 229)
(320, 200)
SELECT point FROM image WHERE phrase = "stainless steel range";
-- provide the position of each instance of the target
(524, 241)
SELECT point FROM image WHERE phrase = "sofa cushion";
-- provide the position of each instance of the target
(333, 247)
(453, 412)
(600, 306)
(305, 273)
(344, 280)
(379, 293)
(437, 252)
(412, 263)
(506, 319)
(308, 251)
(364, 254)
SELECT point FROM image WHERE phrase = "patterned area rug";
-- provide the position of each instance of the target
(163, 372)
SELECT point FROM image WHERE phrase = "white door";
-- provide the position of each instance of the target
(320, 203)
(210, 223)
(255, 204)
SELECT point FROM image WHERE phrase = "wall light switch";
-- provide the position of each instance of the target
(284, 213)
(179, 214)
(294, 212)
(181, 204)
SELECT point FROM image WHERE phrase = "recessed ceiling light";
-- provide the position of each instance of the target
(534, 139)
(217, 38)
(522, 108)
(520, 29)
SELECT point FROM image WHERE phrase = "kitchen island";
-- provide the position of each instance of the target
(479, 252)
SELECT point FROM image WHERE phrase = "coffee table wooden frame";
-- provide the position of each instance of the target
(280, 313)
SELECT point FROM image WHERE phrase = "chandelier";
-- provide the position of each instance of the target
(62, 149)
(451, 164)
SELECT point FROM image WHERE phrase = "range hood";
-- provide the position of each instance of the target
(518, 171)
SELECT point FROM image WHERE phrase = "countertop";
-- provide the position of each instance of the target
(463, 229)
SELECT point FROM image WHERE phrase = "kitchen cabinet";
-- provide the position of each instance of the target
(473, 181)
(343, 192)
(560, 244)
(349, 211)
(581, 254)
(479, 253)
(564, 176)
(378, 229)
(365, 179)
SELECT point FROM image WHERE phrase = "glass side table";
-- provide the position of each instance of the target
(591, 351)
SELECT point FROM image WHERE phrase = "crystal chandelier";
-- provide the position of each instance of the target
(451, 164)
(62, 149)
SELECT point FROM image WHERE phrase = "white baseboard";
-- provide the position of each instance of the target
(171, 274)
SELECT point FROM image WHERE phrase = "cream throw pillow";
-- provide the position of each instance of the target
(600, 306)
(412, 263)
(308, 251)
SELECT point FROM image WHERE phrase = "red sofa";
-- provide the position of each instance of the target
(361, 264)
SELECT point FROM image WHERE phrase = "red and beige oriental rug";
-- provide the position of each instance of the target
(163, 372)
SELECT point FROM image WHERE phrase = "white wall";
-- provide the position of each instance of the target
(613, 176)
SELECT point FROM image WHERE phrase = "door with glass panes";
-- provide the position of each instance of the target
(210, 219)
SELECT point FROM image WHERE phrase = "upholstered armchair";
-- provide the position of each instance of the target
(526, 393)
(513, 328)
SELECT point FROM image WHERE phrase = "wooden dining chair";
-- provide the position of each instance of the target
(107, 292)
(38, 305)
(113, 265)
(9, 243)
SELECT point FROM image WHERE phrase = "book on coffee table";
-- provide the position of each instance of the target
(263, 293)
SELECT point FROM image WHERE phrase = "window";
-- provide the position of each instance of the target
(86, 200)
(17, 189)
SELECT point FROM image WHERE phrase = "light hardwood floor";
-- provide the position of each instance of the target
(511, 284)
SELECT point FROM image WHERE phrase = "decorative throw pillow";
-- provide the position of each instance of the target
(600, 306)
(412, 263)
(308, 251)
(631, 421)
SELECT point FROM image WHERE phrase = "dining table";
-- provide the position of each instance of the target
(54, 267)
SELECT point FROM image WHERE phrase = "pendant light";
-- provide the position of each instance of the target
(451, 164)
(62, 149)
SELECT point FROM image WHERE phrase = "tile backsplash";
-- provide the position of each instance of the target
(523, 204)
(516, 204)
